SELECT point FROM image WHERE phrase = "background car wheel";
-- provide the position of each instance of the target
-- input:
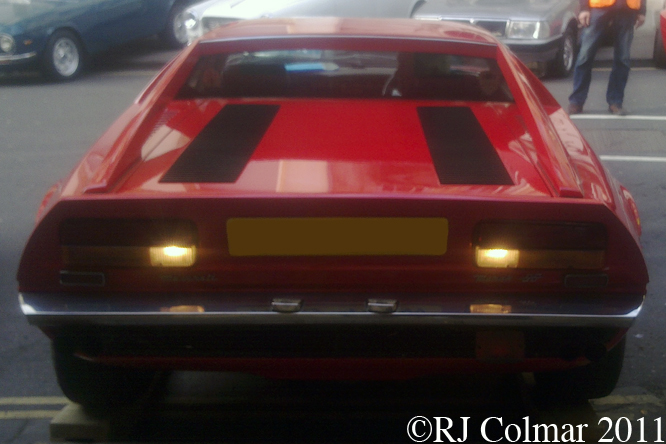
(175, 33)
(595, 380)
(564, 62)
(659, 54)
(97, 387)
(63, 57)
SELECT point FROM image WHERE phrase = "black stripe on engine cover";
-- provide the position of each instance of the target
(225, 145)
(460, 150)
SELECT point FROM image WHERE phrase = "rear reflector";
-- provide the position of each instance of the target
(105, 256)
(541, 235)
(128, 243)
(127, 232)
(497, 258)
(337, 236)
(561, 259)
(540, 245)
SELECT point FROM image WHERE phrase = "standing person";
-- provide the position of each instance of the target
(597, 17)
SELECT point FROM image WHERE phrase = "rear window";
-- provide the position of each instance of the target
(346, 74)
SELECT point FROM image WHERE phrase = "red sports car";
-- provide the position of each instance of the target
(337, 198)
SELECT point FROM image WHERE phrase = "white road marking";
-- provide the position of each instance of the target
(34, 400)
(636, 68)
(29, 414)
(650, 159)
(23, 401)
(613, 117)
(614, 158)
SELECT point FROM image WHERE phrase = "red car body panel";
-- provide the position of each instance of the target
(379, 165)
(358, 170)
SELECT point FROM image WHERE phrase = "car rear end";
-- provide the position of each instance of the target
(347, 206)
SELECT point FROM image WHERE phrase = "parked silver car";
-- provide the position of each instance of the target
(543, 33)
(205, 16)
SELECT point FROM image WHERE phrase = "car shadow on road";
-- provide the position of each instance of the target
(213, 407)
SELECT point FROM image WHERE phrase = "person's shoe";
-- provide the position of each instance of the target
(617, 110)
(575, 108)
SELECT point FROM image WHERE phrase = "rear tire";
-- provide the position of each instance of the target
(97, 387)
(594, 380)
(63, 56)
(659, 54)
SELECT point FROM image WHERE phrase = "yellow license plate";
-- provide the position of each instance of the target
(337, 236)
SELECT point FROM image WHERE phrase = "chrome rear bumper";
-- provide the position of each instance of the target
(62, 310)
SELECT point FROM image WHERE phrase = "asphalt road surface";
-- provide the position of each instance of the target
(44, 130)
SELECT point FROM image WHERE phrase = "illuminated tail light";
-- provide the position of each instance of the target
(128, 243)
(540, 245)
(496, 258)
(172, 256)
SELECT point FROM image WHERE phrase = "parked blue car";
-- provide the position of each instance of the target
(59, 35)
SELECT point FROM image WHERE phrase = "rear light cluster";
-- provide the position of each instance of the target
(128, 243)
(90, 242)
(507, 244)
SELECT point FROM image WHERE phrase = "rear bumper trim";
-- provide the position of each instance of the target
(57, 310)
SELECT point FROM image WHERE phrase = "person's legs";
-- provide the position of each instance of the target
(590, 38)
(624, 33)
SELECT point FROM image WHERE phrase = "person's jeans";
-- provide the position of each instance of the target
(622, 23)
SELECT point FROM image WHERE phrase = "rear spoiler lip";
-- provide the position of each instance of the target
(552, 159)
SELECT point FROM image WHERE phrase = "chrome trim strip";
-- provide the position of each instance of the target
(45, 310)
(16, 58)
(530, 42)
